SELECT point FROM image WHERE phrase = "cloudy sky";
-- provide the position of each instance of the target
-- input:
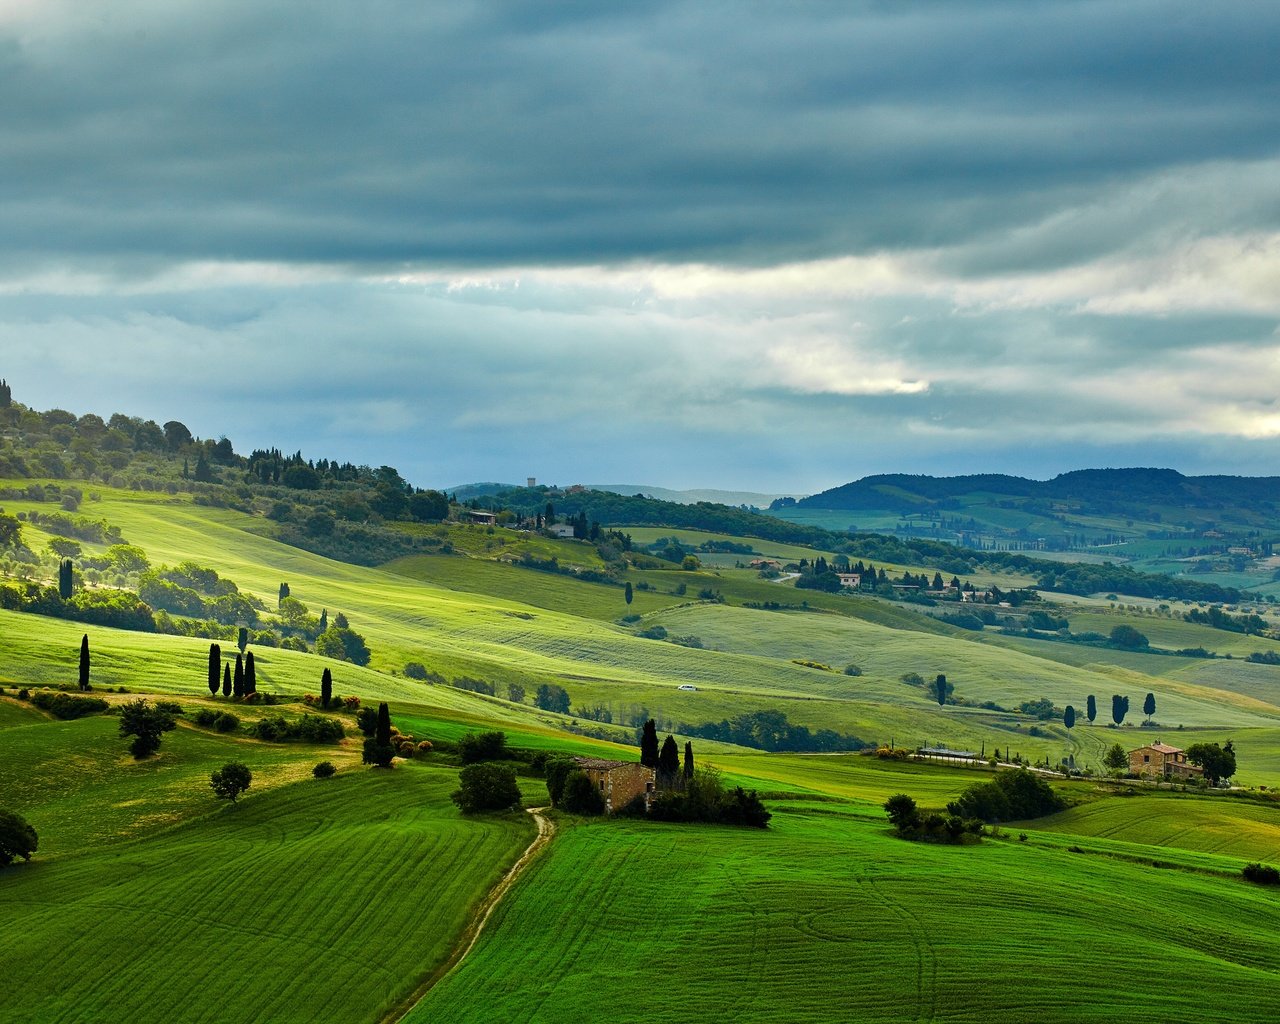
(764, 246)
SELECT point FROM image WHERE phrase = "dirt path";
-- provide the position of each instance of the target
(546, 829)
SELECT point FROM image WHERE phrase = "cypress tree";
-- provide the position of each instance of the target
(242, 638)
(84, 662)
(1149, 705)
(1091, 709)
(215, 667)
(382, 731)
(688, 760)
(250, 675)
(668, 762)
(226, 680)
(66, 579)
(1069, 718)
(284, 592)
(628, 592)
(324, 619)
(649, 745)
(940, 690)
(326, 688)
(237, 685)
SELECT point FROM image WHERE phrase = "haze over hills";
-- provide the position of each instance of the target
(756, 499)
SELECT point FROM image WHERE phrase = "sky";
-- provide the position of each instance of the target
(769, 247)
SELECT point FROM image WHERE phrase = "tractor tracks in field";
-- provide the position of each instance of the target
(467, 940)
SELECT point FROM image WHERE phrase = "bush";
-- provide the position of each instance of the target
(367, 720)
(415, 670)
(485, 746)
(324, 770)
(65, 706)
(206, 717)
(424, 747)
(1013, 795)
(17, 838)
(486, 787)
(375, 753)
(351, 703)
(226, 722)
(1262, 874)
(581, 795)
(171, 707)
(308, 729)
(852, 670)
(229, 781)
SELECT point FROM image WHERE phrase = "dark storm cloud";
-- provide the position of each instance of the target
(502, 133)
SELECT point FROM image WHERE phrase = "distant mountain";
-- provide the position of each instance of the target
(1098, 489)
(691, 497)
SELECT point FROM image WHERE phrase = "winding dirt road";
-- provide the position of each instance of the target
(546, 829)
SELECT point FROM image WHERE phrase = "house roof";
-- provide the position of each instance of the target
(1162, 748)
(601, 763)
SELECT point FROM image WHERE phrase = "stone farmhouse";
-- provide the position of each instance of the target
(619, 782)
(1162, 761)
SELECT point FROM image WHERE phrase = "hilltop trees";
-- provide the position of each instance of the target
(84, 662)
(215, 668)
(229, 781)
(146, 724)
(17, 838)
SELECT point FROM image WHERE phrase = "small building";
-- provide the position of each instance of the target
(764, 563)
(531, 482)
(619, 782)
(850, 579)
(482, 517)
(562, 530)
(1160, 760)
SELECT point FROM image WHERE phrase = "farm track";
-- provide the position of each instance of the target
(465, 943)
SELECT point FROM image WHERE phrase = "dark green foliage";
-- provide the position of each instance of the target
(484, 746)
(649, 745)
(1128, 637)
(770, 730)
(367, 720)
(83, 676)
(515, 693)
(1091, 708)
(343, 644)
(1218, 762)
(904, 816)
(1149, 705)
(669, 763)
(326, 688)
(704, 799)
(1041, 708)
(229, 781)
(324, 770)
(226, 680)
(17, 838)
(688, 760)
(65, 706)
(415, 670)
(307, 729)
(1013, 795)
(627, 592)
(557, 770)
(324, 619)
(146, 724)
(486, 787)
(940, 690)
(204, 472)
(1069, 718)
(242, 638)
(284, 592)
(1115, 758)
(226, 722)
(551, 697)
(1119, 708)
(66, 579)
(1260, 874)
(428, 506)
(382, 729)
(237, 684)
(378, 754)
(215, 668)
(1215, 617)
(250, 675)
(581, 795)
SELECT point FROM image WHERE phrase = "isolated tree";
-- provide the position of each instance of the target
(903, 813)
(146, 724)
(17, 838)
(326, 688)
(486, 787)
(66, 579)
(237, 685)
(649, 744)
(940, 690)
(84, 662)
(226, 680)
(515, 693)
(668, 763)
(1127, 636)
(628, 594)
(688, 760)
(1119, 708)
(1069, 718)
(1149, 706)
(551, 697)
(1091, 708)
(1115, 758)
(215, 668)
(250, 675)
(377, 748)
(284, 592)
(229, 781)
(242, 638)
(1218, 762)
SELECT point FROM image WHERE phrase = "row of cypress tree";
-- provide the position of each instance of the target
(665, 762)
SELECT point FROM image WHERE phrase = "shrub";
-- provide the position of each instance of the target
(171, 707)
(324, 770)
(424, 747)
(17, 838)
(367, 720)
(1262, 874)
(229, 781)
(581, 795)
(852, 670)
(206, 717)
(415, 670)
(226, 722)
(351, 703)
(485, 746)
(1013, 795)
(375, 753)
(486, 787)
(65, 706)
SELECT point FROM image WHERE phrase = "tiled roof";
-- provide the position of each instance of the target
(600, 763)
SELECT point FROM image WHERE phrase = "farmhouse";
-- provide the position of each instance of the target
(619, 782)
(1163, 761)
(849, 579)
(764, 563)
(482, 517)
(562, 530)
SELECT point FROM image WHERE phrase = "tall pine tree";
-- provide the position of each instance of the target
(326, 688)
(226, 680)
(250, 675)
(84, 662)
(688, 760)
(237, 683)
(649, 745)
(215, 668)
(668, 763)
